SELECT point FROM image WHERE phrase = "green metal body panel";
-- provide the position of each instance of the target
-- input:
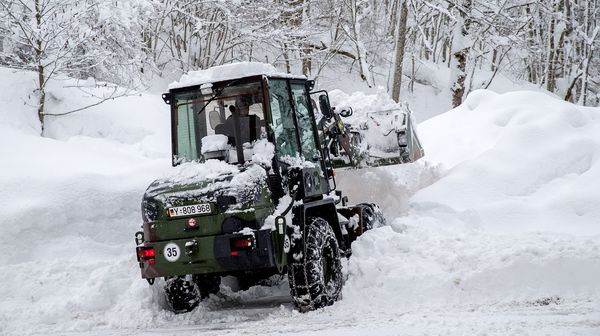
(207, 225)
(212, 232)
(212, 255)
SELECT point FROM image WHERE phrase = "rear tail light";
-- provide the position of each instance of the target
(146, 254)
(241, 243)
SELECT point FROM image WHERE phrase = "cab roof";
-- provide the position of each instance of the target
(228, 72)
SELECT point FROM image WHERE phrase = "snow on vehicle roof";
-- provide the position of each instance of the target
(228, 72)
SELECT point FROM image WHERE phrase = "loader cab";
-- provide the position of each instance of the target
(217, 120)
(227, 120)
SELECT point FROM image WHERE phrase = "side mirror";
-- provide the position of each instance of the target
(346, 111)
(325, 106)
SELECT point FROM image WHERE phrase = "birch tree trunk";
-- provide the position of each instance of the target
(461, 53)
(40, 66)
(552, 46)
(400, 44)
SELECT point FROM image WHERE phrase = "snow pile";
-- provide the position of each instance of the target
(362, 103)
(522, 160)
(228, 72)
(511, 223)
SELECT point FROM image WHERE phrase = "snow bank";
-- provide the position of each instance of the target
(227, 72)
(443, 259)
(72, 203)
(523, 161)
(510, 222)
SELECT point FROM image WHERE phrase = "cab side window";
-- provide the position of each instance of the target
(282, 118)
(305, 123)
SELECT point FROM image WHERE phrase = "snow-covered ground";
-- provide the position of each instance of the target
(495, 232)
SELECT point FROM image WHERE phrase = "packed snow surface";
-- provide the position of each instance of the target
(228, 72)
(494, 232)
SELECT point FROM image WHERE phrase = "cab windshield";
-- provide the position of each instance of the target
(222, 122)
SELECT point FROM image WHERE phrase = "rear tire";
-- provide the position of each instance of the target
(315, 277)
(184, 293)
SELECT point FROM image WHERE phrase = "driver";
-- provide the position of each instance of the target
(249, 124)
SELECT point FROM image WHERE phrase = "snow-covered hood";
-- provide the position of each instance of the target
(205, 182)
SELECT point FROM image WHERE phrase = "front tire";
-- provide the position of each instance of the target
(372, 216)
(315, 277)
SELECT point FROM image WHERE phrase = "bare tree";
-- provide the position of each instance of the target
(52, 37)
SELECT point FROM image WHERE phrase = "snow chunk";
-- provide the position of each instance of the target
(263, 152)
(213, 143)
(228, 72)
(246, 231)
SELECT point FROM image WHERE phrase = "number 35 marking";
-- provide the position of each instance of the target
(171, 252)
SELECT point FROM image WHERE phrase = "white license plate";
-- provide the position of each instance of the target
(190, 210)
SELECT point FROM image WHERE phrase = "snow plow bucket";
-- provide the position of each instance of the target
(373, 139)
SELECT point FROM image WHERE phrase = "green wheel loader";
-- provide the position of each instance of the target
(253, 191)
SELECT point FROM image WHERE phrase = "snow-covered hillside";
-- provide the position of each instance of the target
(494, 232)
(71, 202)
